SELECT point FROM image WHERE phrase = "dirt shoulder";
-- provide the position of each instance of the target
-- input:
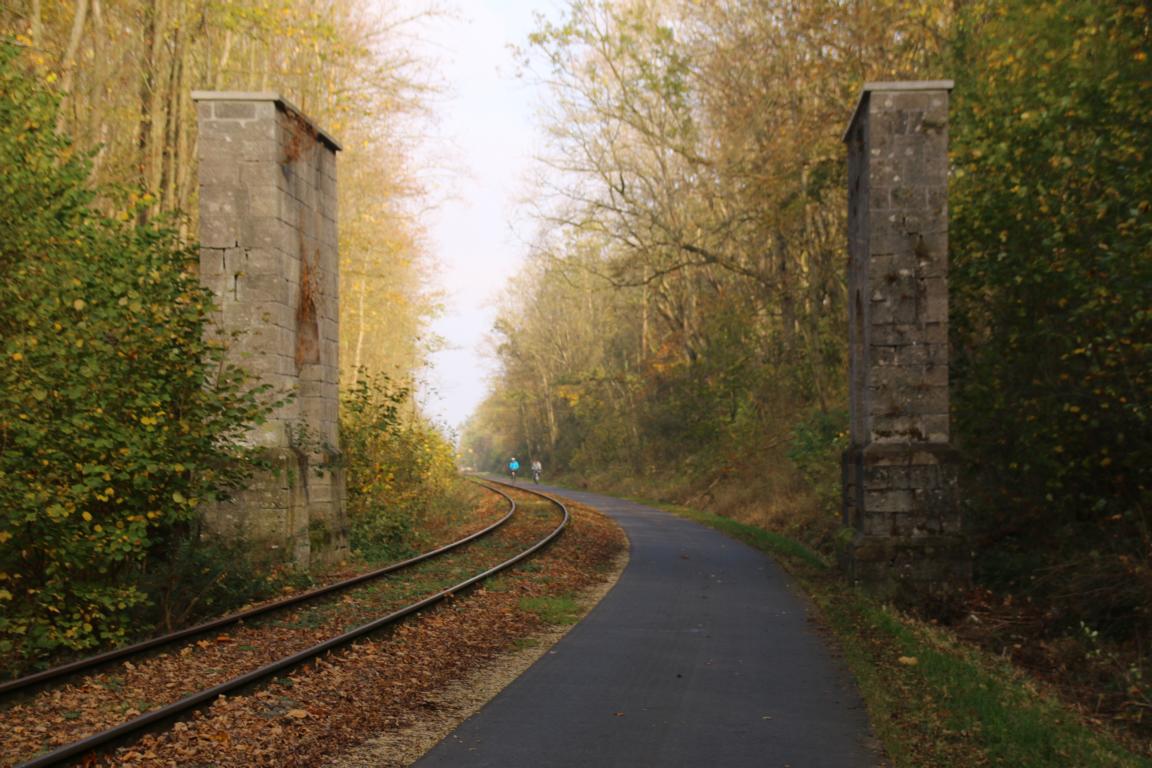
(444, 709)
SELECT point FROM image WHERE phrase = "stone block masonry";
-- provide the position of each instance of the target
(268, 239)
(900, 478)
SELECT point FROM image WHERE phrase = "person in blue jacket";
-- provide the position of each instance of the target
(513, 467)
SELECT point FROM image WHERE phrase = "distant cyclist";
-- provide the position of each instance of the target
(513, 467)
(537, 470)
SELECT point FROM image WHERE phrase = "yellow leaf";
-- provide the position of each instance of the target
(87, 516)
(79, 304)
(297, 714)
(908, 661)
(5, 594)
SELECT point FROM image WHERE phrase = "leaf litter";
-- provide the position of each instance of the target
(391, 685)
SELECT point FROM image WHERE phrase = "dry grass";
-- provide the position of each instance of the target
(770, 495)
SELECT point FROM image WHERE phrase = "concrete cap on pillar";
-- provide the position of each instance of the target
(276, 98)
(898, 85)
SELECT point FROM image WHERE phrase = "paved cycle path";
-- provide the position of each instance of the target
(701, 655)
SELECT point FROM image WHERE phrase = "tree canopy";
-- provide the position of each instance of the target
(683, 318)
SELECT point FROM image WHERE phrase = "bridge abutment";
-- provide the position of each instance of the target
(268, 236)
(900, 474)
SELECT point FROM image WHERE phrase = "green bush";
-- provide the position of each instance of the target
(201, 578)
(117, 417)
(1052, 272)
(817, 442)
(397, 468)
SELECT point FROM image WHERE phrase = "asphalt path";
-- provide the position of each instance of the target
(701, 655)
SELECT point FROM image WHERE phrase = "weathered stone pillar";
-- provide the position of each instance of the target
(901, 493)
(269, 253)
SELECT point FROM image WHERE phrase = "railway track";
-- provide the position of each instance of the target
(367, 602)
(33, 681)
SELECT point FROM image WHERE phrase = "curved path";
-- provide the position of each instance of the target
(701, 655)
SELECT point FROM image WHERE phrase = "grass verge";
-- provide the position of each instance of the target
(934, 701)
(764, 540)
(553, 609)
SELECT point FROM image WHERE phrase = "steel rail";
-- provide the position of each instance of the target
(90, 662)
(195, 700)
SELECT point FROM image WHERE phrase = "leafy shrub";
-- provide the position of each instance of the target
(117, 417)
(200, 578)
(1052, 225)
(397, 467)
(817, 442)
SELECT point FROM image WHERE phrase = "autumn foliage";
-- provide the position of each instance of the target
(123, 413)
(683, 319)
(1053, 272)
(1052, 253)
(117, 418)
(400, 467)
(682, 327)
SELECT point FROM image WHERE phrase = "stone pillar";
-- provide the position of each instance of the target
(269, 254)
(900, 475)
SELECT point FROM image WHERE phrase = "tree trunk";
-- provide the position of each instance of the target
(184, 161)
(174, 115)
(37, 25)
(96, 125)
(644, 323)
(222, 65)
(785, 292)
(157, 104)
(146, 135)
(68, 62)
(549, 410)
(358, 353)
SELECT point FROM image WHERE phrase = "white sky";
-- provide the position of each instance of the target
(486, 119)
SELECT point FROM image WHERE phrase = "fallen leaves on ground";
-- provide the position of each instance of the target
(335, 702)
